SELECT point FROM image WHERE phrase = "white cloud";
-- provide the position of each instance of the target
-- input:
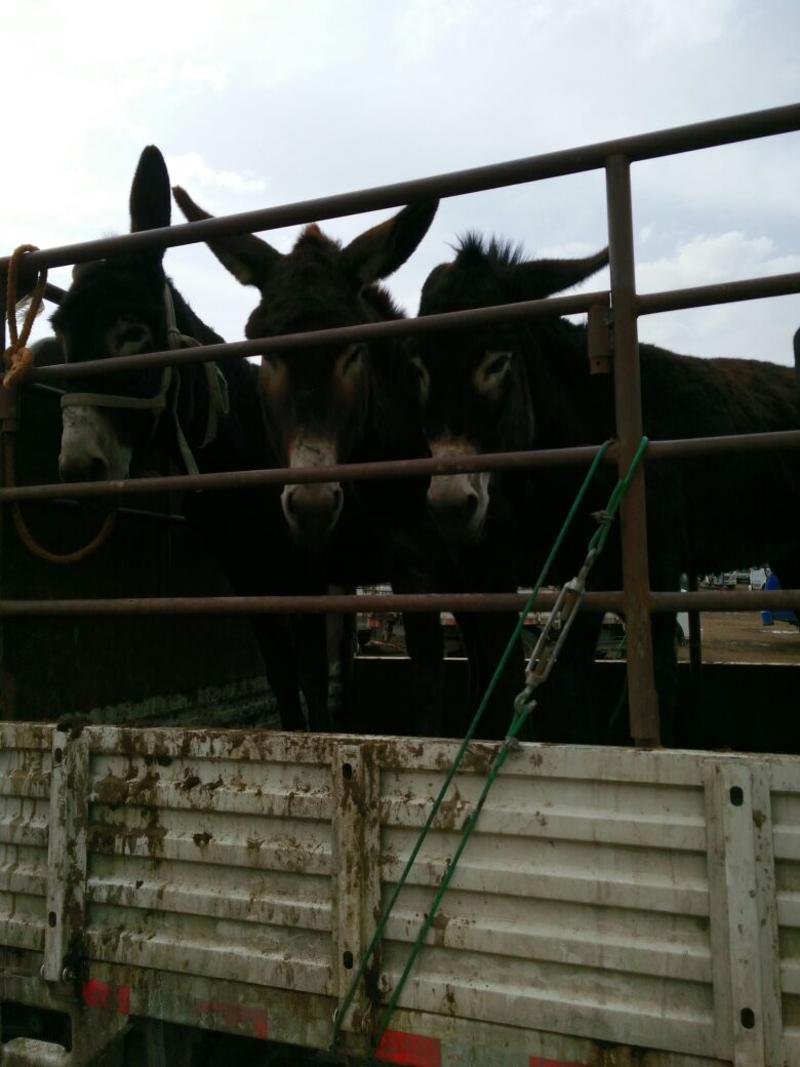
(752, 329)
(191, 169)
(705, 259)
(259, 104)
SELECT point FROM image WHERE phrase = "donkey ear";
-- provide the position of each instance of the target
(543, 277)
(246, 256)
(149, 201)
(378, 252)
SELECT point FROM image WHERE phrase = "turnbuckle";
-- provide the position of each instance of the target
(544, 655)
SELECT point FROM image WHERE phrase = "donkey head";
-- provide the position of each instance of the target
(472, 383)
(113, 308)
(316, 401)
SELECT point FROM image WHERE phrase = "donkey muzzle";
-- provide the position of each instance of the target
(312, 511)
(457, 504)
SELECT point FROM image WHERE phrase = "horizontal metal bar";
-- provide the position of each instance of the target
(310, 605)
(476, 179)
(714, 600)
(54, 293)
(279, 476)
(526, 309)
(709, 601)
(721, 293)
(651, 303)
(535, 459)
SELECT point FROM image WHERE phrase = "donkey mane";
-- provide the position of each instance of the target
(323, 252)
(473, 250)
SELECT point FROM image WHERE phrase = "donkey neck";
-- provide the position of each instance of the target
(571, 407)
(235, 440)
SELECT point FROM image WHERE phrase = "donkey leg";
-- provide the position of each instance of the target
(665, 669)
(425, 646)
(487, 637)
(340, 631)
(311, 651)
(567, 710)
(277, 652)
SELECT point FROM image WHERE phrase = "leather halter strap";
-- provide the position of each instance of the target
(218, 400)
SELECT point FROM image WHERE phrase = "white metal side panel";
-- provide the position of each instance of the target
(25, 772)
(611, 902)
(211, 865)
(580, 906)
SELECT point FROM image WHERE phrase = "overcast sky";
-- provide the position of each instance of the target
(258, 103)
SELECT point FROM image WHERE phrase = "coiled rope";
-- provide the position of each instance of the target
(18, 360)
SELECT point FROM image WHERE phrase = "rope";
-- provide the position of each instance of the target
(18, 359)
(27, 537)
(522, 711)
(384, 918)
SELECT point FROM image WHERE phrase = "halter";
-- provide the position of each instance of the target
(218, 400)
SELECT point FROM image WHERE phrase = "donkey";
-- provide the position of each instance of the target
(338, 404)
(204, 417)
(516, 386)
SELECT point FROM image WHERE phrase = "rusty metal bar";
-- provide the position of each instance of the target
(340, 335)
(686, 448)
(305, 605)
(476, 179)
(642, 696)
(650, 303)
(720, 293)
(54, 293)
(723, 600)
(612, 600)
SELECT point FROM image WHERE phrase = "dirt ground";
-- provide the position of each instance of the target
(740, 637)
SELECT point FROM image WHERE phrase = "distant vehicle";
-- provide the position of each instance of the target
(758, 578)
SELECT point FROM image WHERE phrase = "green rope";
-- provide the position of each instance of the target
(384, 918)
(598, 541)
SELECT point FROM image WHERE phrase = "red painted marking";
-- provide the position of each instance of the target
(236, 1015)
(95, 993)
(542, 1061)
(410, 1050)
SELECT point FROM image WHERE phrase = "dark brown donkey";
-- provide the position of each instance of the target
(516, 386)
(204, 416)
(339, 404)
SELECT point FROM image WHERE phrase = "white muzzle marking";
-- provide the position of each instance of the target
(458, 502)
(90, 448)
(312, 510)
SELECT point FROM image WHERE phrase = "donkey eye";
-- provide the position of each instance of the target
(497, 363)
(134, 334)
(352, 358)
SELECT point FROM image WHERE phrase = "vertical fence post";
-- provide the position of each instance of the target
(643, 701)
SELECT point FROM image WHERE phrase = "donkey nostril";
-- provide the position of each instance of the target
(471, 504)
(337, 498)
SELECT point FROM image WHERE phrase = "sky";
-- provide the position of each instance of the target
(261, 102)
